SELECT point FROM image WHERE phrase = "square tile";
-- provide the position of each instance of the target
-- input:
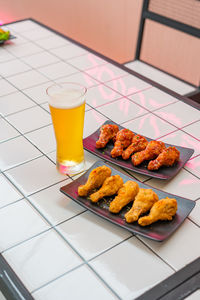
(182, 241)
(14, 102)
(112, 267)
(27, 79)
(87, 61)
(106, 72)
(150, 126)
(35, 175)
(55, 206)
(182, 139)
(80, 78)
(179, 114)
(24, 49)
(103, 235)
(43, 139)
(5, 55)
(40, 59)
(122, 110)
(195, 213)
(193, 129)
(16, 151)
(20, 222)
(100, 95)
(194, 296)
(47, 261)
(36, 33)
(93, 120)
(7, 131)
(152, 99)
(6, 88)
(13, 67)
(68, 51)
(57, 70)
(184, 185)
(193, 166)
(22, 26)
(30, 119)
(38, 93)
(8, 193)
(128, 85)
(91, 287)
(54, 41)
(18, 41)
(46, 107)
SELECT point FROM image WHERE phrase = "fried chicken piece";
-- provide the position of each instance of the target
(164, 209)
(123, 140)
(167, 157)
(138, 144)
(125, 195)
(95, 180)
(153, 149)
(143, 202)
(110, 187)
(107, 133)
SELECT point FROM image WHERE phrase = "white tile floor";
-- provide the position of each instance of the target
(51, 242)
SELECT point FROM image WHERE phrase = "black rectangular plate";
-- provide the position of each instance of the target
(89, 144)
(158, 231)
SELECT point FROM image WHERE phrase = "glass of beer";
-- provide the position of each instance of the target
(67, 106)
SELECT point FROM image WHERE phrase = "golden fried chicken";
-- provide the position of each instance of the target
(138, 144)
(95, 180)
(164, 209)
(167, 157)
(143, 202)
(125, 195)
(107, 133)
(110, 187)
(153, 149)
(123, 140)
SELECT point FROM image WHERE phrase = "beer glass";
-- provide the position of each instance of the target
(67, 106)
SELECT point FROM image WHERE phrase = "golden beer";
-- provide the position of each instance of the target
(67, 106)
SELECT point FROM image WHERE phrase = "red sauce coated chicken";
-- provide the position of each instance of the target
(107, 133)
(123, 140)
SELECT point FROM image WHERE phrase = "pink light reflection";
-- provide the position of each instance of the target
(155, 104)
(123, 105)
(188, 181)
(106, 93)
(171, 117)
(93, 59)
(97, 117)
(142, 121)
(154, 125)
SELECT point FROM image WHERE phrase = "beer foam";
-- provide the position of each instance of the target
(70, 98)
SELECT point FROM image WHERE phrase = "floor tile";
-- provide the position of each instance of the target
(43, 139)
(5, 55)
(179, 114)
(86, 61)
(14, 42)
(152, 98)
(106, 72)
(16, 151)
(51, 42)
(6, 88)
(91, 287)
(46, 107)
(160, 77)
(57, 70)
(128, 85)
(101, 94)
(7, 131)
(182, 139)
(81, 78)
(23, 26)
(103, 234)
(193, 166)
(150, 126)
(14, 102)
(182, 241)
(48, 261)
(122, 110)
(193, 129)
(13, 67)
(38, 93)
(35, 175)
(68, 51)
(8, 193)
(195, 213)
(37, 33)
(93, 120)
(27, 79)
(30, 119)
(184, 184)
(194, 296)
(40, 59)
(24, 49)
(112, 267)
(20, 222)
(54, 205)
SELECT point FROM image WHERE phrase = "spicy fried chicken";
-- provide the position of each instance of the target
(123, 140)
(168, 157)
(138, 144)
(107, 133)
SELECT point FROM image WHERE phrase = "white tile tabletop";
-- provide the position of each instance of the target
(52, 243)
